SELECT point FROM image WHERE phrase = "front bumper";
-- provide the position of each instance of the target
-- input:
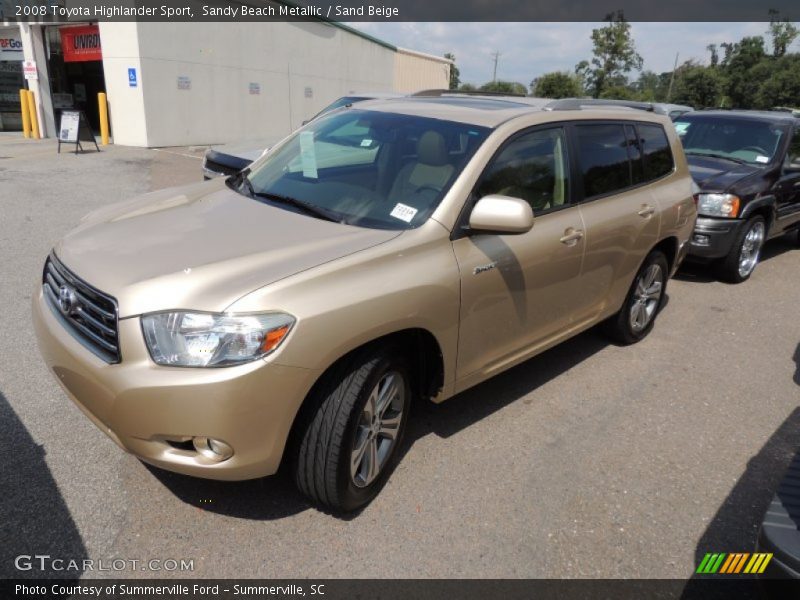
(713, 238)
(143, 407)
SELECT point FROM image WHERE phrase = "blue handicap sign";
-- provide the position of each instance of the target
(132, 77)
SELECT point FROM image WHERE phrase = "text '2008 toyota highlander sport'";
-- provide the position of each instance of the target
(402, 250)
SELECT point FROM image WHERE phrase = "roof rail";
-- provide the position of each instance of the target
(580, 103)
(437, 93)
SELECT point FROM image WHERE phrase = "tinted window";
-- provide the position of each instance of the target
(635, 154)
(793, 156)
(532, 167)
(603, 156)
(657, 153)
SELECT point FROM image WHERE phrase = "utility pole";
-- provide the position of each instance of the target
(672, 78)
(496, 56)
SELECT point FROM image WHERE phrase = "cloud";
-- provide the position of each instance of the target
(527, 50)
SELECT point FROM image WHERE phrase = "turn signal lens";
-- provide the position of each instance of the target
(273, 338)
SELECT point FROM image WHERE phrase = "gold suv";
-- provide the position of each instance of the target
(396, 251)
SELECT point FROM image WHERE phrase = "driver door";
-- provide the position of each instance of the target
(519, 292)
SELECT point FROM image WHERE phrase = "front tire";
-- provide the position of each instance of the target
(740, 263)
(354, 429)
(644, 300)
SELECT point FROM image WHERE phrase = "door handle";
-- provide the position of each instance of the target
(646, 211)
(571, 236)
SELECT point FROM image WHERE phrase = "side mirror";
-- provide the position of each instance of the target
(501, 214)
(792, 167)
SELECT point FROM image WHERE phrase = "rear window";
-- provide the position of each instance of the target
(657, 153)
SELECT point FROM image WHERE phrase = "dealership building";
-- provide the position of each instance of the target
(175, 84)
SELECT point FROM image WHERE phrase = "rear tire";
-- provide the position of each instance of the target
(741, 261)
(355, 425)
(644, 300)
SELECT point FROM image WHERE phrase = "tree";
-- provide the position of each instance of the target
(467, 87)
(455, 74)
(783, 33)
(741, 85)
(619, 92)
(781, 86)
(614, 55)
(504, 87)
(648, 86)
(556, 85)
(698, 86)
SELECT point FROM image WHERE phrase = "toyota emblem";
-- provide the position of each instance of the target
(67, 299)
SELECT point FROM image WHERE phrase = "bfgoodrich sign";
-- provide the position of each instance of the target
(10, 46)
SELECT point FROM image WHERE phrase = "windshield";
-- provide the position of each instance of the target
(737, 140)
(366, 168)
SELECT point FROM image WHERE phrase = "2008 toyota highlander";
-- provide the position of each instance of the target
(384, 254)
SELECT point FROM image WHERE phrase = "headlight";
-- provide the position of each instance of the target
(185, 339)
(718, 205)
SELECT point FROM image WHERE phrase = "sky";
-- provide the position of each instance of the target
(528, 50)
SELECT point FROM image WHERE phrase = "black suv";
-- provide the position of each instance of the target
(747, 167)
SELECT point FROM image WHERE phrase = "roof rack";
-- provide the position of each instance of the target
(437, 93)
(580, 103)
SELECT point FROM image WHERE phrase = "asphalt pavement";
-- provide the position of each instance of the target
(590, 460)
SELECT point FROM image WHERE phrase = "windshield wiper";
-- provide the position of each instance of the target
(310, 209)
(721, 156)
(243, 185)
(238, 181)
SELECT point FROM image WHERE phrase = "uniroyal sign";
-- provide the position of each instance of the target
(81, 44)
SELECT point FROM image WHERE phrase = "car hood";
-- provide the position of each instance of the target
(247, 149)
(200, 247)
(716, 174)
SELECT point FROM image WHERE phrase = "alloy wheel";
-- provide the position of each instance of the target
(647, 297)
(751, 249)
(377, 429)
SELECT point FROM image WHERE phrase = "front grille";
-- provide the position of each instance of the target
(86, 311)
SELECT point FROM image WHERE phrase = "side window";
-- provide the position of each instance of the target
(793, 155)
(635, 155)
(657, 153)
(532, 167)
(603, 156)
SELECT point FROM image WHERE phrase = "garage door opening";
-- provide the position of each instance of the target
(75, 63)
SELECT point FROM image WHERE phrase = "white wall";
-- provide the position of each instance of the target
(120, 42)
(414, 71)
(221, 60)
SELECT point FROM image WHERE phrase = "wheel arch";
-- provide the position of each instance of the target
(765, 207)
(669, 247)
(420, 347)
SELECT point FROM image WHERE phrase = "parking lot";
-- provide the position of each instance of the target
(590, 460)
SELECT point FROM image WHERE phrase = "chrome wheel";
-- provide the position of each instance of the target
(377, 429)
(646, 297)
(751, 249)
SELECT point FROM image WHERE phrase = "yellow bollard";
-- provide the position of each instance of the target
(26, 115)
(34, 118)
(103, 105)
